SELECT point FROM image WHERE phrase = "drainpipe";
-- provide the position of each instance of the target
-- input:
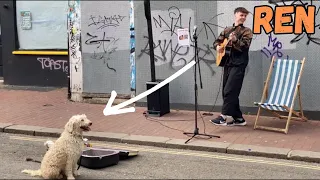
(147, 12)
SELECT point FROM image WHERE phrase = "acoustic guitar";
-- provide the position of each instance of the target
(226, 51)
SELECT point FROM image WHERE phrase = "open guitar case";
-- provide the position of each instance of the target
(98, 157)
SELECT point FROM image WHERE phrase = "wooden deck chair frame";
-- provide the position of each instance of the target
(291, 111)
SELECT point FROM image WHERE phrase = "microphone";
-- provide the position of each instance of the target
(194, 30)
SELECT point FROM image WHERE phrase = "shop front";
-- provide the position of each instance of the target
(34, 43)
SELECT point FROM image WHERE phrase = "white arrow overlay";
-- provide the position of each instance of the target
(108, 110)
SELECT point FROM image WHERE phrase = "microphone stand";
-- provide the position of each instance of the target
(196, 129)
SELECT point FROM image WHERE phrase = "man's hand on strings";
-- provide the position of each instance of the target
(219, 49)
(233, 37)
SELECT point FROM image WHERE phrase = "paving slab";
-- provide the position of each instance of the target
(104, 136)
(198, 145)
(4, 125)
(176, 144)
(22, 129)
(209, 146)
(304, 156)
(51, 132)
(244, 149)
(145, 140)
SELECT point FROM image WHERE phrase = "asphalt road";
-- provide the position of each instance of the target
(156, 163)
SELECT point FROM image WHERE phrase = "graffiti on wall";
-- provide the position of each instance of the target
(104, 47)
(53, 65)
(166, 47)
(273, 48)
(101, 22)
(74, 34)
(102, 43)
(103, 32)
(311, 38)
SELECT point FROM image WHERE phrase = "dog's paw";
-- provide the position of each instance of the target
(76, 173)
(60, 176)
(70, 177)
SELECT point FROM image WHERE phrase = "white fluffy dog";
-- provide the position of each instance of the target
(61, 158)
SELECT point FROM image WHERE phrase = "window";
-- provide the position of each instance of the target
(42, 25)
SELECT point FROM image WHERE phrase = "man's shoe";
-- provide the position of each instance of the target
(237, 122)
(220, 121)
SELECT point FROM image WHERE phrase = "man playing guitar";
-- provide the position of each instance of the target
(235, 64)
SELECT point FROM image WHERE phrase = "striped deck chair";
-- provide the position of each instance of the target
(280, 90)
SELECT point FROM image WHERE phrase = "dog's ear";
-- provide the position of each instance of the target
(69, 126)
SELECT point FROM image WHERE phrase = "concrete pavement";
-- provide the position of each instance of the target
(45, 112)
